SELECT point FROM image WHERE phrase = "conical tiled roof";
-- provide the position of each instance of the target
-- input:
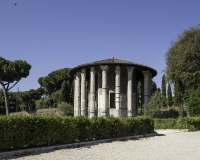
(113, 61)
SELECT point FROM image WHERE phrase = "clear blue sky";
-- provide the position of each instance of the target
(54, 34)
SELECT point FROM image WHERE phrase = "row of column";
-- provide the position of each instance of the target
(80, 92)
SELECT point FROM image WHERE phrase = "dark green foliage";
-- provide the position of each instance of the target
(169, 96)
(66, 109)
(11, 72)
(28, 98)
(31, 131)
(152, 109)
(164, 91)
(53, 81)
(66, 92)
(178, 93)
(44, 103)
(58, 85)
(140, 91)
(194, 103)
(183, 62)
(153, 87)
(192, 123)
(12, 102)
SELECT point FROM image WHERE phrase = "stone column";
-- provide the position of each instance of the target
(83, 100)
(99, 93)
(130, 92)
(147, 76)
(92, 93)
(117, 90)
(104, 90)
(77, 94)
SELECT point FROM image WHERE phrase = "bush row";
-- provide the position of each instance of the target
(31, 131)
(192, 123)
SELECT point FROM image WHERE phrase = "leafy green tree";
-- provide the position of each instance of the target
(159, 90)
(12, 102)
(66, 109)
(194, 103)
(56, 97)
(11, 72)
(39, 104)
(53, 81)
(2, 102)
(47, 102)
(139, 91)
(66, 92)
(153, 87)
(183, 62)
(27, 99)
(169, 96)
(152, 109)
(164, 91)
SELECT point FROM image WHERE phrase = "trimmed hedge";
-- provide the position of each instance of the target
(31, 131)
(192, 123)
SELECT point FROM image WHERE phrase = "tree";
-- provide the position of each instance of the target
(11, 72)
(12, 101)
(164, 91)
(140, 88)
(65, 92)
(169, 96)
(194, 103)
(28, 98)
(183, 62)
(152, 109)
(58, 81)
(53, 81)
(153, 87)
(66, 109)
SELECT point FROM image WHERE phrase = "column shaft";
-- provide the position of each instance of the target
(77, 94)
(83, 100)
(99, 93)
(104, 90)
(117, 90)
(130, 92)
(92, 93)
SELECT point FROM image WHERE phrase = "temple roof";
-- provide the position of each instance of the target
(113, 61)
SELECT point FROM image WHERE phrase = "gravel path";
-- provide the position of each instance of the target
(168, 145)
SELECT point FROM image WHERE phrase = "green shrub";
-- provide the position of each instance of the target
(66, 109)
(153, 108)
(31, 131)
(192, 123)
(194, 103)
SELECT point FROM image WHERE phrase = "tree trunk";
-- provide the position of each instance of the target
(6, 101)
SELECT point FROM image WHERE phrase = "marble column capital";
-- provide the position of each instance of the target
(77, 74)
(104, 68)
(117, 70)
(92, 69)
(146, 73)
(83, 70)
(130, 69)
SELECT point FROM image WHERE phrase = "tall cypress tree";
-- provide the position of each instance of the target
(164, 91)
(65, 92)
(169, 96)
